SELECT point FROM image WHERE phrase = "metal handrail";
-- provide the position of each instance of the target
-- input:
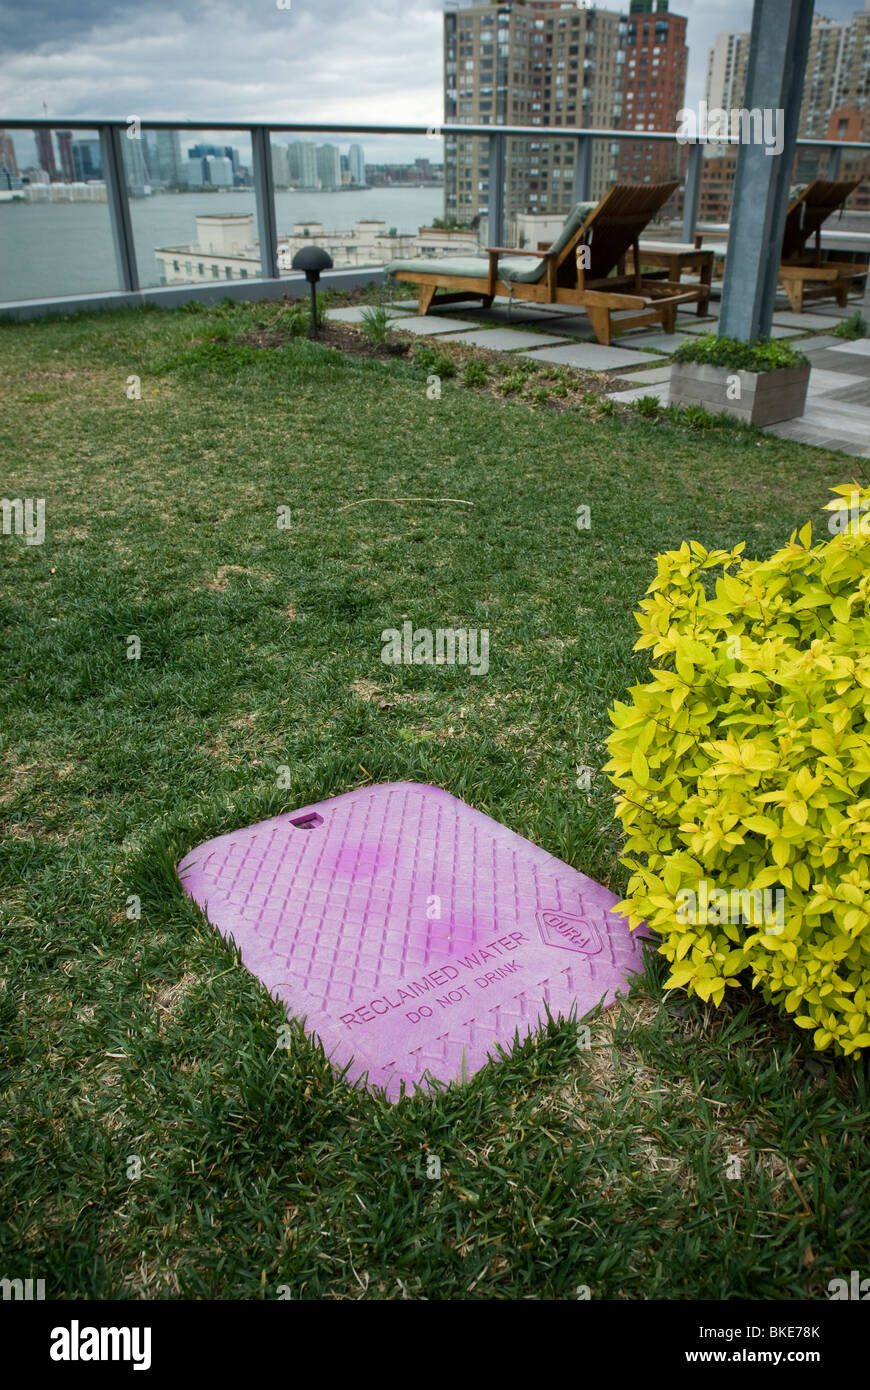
(437, 130)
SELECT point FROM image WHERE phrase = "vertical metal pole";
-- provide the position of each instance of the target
(115, 176)
(583, 170)
(497, 164)
(834, 154)
(264, 195)
(778, 47)
(692, 191)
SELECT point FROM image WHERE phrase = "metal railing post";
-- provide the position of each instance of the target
(115, 176)
(497, 167)
(692, 192)
(583, 170)
(778, 47)
(264, 197)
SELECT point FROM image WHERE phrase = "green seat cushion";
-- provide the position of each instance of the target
(468, 267)
(471, 267)
(520, 270)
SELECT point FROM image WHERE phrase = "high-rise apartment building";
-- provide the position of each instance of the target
(837, 71)
(836, 99)
(302, 164)
(45, 152)
(726, 72)
(138, 178)
(64, 145)
(167, 157)
(7, 154)
(356, 164)
(87, 157)
(329, 166)
(656, 59)
(543, 63)
(280, 166)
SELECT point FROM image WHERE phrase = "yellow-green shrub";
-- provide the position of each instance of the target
(745, 761)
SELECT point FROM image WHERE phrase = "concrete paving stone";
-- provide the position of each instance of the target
(834, 310)
(689, 311)
(355, 313)
(816, 344)
(661, 392)
(431, 324)
(577, 327)
(505, 339)
(651, 378)
(591, 357)
(519, 314)
(789, 319)
(695, 325)
(662, 342)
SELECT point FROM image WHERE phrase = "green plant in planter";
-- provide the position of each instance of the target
(767, 355)
(742, 769)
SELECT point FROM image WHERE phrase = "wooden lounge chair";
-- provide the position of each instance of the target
(581, 268)
(803, 272)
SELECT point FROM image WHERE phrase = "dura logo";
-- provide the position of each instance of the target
(570, 932)
(76, 1343)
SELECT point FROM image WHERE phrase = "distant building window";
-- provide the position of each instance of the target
(175, 265)
(188, 268)
(215, 272)
(201, 268)
(243, 273)
(229, 272)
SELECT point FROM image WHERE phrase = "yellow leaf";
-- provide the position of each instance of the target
(639, 768)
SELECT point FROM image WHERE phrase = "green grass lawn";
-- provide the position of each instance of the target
(146, 1040)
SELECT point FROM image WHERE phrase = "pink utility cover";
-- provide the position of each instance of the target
(411, 932)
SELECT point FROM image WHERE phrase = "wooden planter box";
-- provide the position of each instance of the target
(765, 397)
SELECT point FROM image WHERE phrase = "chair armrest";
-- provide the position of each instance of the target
(514, 251)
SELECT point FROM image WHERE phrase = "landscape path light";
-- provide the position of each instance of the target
(312, 260)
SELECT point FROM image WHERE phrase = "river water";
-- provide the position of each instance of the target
(49, 249)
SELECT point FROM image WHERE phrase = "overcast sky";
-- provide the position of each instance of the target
(360, 61)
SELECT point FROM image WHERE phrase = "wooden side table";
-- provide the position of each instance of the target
(675, 257)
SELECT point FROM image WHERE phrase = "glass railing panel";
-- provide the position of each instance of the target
(365, 200)
(192, 206)
(55, 231)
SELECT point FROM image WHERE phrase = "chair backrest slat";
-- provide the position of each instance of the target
(807, 212)
(615, 224)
